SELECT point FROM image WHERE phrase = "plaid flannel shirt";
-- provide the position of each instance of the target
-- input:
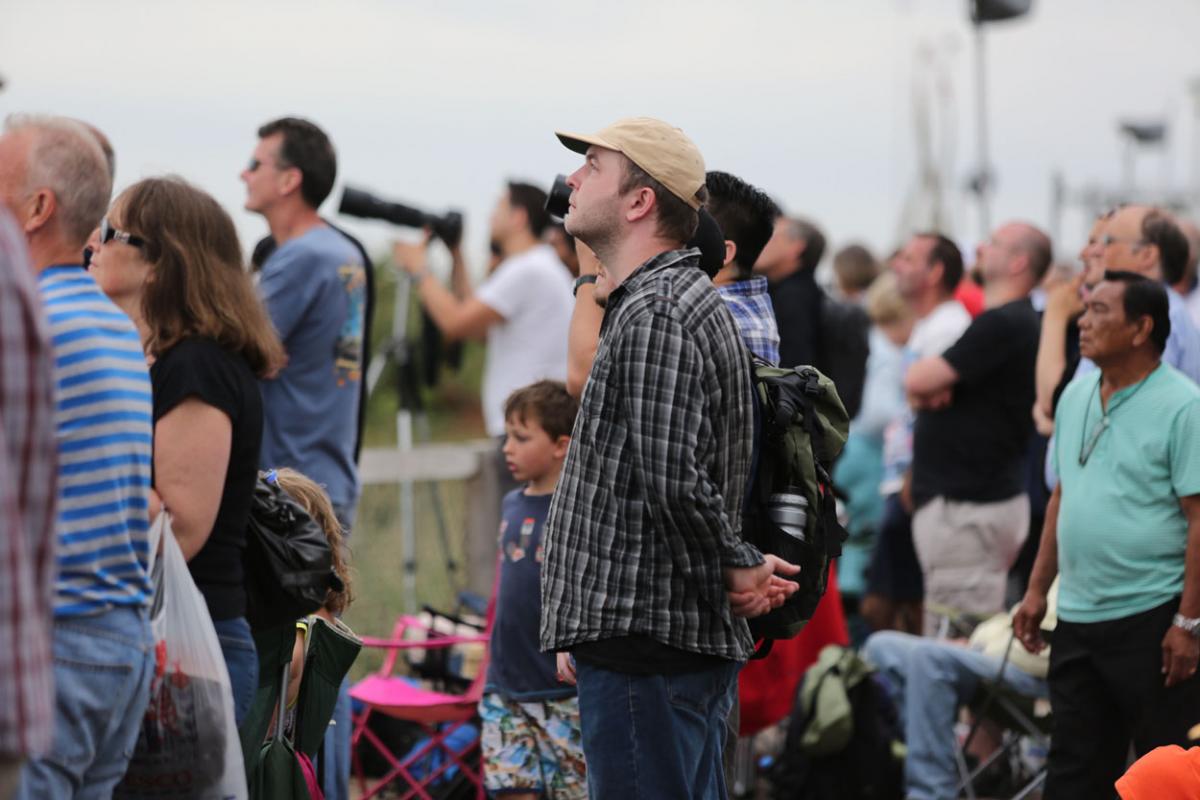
(648, 509)
(28, 489)
(750, 303)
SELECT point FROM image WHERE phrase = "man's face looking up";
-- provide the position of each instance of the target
(1123, 247)
(594, 203)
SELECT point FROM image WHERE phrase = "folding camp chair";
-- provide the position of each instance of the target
(274, 647)
(1018, 716)
(330, 649)
(952, 623)
(439, 715)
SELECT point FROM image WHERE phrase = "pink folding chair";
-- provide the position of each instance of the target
(437, 713)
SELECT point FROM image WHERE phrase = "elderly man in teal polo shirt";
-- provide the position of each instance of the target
(1123, 529)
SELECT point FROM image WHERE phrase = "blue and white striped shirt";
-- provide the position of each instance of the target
(104, 429)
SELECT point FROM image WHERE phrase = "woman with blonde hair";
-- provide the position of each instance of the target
(169, 257)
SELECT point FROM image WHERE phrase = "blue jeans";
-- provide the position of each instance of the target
(655, 736)
(241, 659)
(934, 678)
(102, 670)
(336, 755)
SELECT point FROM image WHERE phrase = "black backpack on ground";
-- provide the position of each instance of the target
(801, 428)
(844, 740)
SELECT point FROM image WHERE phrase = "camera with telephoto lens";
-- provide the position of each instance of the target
(558, 202)
(360, 203)
(708, 238)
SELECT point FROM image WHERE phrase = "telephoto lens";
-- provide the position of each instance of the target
(360, 203)
(558, 202)
(708, 238)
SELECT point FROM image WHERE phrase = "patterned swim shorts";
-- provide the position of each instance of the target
(533, 746)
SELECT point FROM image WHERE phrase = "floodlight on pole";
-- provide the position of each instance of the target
(981, 12)
(1138, 134)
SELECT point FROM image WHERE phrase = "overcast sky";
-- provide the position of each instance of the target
(437, 103)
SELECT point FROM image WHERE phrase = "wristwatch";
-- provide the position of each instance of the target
(581, 280)
(1190, 625)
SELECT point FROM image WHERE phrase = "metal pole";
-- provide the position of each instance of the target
(408, 534)
(1130, 160)
(1058, 191)
(404, 443)
(981, 125)
(1194, 188)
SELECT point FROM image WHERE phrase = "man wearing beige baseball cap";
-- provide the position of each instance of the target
(645, 580)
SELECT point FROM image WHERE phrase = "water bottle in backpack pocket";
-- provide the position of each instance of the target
(790, 509)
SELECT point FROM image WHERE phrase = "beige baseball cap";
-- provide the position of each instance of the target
(664, 152)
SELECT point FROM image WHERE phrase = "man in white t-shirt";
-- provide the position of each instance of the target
(927, 270)
(522, 308)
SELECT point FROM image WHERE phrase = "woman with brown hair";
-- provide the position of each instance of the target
(169, 257)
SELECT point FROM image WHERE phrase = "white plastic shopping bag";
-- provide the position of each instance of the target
(188, 746)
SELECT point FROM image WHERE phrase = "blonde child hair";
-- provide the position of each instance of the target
(885, 305)
(312, 498)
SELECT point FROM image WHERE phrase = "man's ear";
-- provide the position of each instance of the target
(937, 272)
(1151, 255)
(1020, 264)
(1145, 326)
(41, 207)
(730, 252)
(522, 216)
(290, 180)
(643, 200)
(799, 245)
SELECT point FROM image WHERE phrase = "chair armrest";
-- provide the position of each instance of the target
(956, 622)
(423, 644)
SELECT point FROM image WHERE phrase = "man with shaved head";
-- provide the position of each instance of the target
(972, 430)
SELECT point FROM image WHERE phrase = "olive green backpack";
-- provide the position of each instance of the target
(801, 427)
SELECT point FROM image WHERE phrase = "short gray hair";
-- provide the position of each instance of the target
(65, 157)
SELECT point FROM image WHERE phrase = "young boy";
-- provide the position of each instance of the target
(531, 741)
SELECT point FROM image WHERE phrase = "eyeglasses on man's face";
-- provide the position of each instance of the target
(1108, 239)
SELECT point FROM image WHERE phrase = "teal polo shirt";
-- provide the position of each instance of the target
(1121, 531)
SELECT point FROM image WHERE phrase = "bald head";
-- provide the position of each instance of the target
(55, 177)
(1145, 240)
(1017, 253)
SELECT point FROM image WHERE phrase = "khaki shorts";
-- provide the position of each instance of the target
(966, 550)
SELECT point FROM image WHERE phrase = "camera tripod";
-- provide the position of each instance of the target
(400, 352)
